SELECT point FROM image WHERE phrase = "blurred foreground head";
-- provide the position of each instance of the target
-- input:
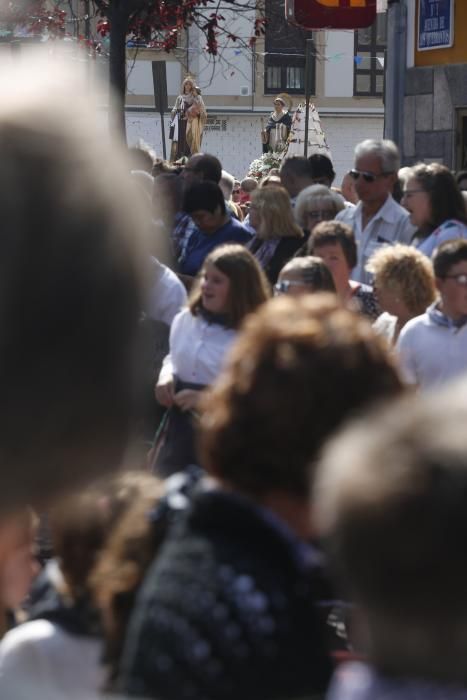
(300, 367)
(69, 286)
(390, 499)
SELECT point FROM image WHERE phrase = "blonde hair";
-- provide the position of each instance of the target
(276, 216)
(405, 269)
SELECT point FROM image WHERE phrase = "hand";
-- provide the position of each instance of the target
(187, 399)
(165, 392)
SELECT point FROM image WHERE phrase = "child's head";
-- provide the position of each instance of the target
(390, 501)
(304, 276)
(450, 265)
(80, 524)
(123, 560)
(230, 283)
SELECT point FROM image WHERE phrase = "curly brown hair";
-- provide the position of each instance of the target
(298, 369)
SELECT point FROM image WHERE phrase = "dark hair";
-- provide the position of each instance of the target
(334, 233)
(449, 254)
(299, 367)
(123, 561)
(81, 523)
(298, 165)
(209, 166)
(445, 198)
(248, 284)
(321, 166)
(390, 505)
(203, 196)
(313, 272)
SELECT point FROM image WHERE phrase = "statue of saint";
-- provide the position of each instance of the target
(274, 136)
(188, 118)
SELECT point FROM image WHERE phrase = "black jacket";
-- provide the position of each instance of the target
(228, 610)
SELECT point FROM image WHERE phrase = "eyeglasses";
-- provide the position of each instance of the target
(368, 177)
(325, 214)
(459, 279)
(284, 286)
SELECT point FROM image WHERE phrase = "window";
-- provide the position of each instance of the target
(284, 62)
(370, 46)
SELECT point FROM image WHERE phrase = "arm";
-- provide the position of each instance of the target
(164, 390)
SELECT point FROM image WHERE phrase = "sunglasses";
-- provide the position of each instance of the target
(368, 177)
(284, 286)
(323, 214)
(459, 279)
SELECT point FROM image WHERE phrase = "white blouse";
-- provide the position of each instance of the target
(197, 349)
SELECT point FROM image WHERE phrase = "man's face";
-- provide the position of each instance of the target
(454, 292)
(376, 190)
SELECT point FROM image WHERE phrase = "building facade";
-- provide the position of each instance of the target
(347, 74)
(435, 91)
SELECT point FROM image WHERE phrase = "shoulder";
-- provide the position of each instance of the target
(21, 646)
(348, 214)
(415, 329)
(237, 230)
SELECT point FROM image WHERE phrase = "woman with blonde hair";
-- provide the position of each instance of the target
(277, 237)
(404, 284)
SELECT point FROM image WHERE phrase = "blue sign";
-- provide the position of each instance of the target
(435, 24)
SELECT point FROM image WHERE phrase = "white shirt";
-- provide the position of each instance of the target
(432, 349)
(448, 230)
(197, 349)
(167, 295)
(390, 224)
(40, 660)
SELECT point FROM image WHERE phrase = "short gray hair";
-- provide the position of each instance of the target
(226, 184)
(385, 150)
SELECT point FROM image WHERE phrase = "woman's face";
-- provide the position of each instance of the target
(318, 210)
(334, 258)
(215, 290)
(187, 87)
(389, 298)
(417, 203)
(255, 216)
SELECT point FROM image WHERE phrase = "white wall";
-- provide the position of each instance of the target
(232, 67)
(239, 143)
(339, 63)
(140, 78)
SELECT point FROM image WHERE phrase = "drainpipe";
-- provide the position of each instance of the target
(395, 71)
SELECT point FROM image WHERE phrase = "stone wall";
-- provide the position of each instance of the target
(432, 96)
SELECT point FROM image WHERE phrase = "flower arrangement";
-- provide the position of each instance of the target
(261, 166)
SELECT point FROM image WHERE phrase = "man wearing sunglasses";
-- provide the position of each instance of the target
(377, 219)
(433, 347)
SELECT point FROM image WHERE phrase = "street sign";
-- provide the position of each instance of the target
(331, 14)
(435, 24)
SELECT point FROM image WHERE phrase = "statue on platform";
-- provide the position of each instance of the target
(274, 136)
(188, 118)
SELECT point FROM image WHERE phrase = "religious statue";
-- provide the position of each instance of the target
(188, 118)
(274, 136)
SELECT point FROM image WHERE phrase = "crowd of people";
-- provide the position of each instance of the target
(233, 448)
